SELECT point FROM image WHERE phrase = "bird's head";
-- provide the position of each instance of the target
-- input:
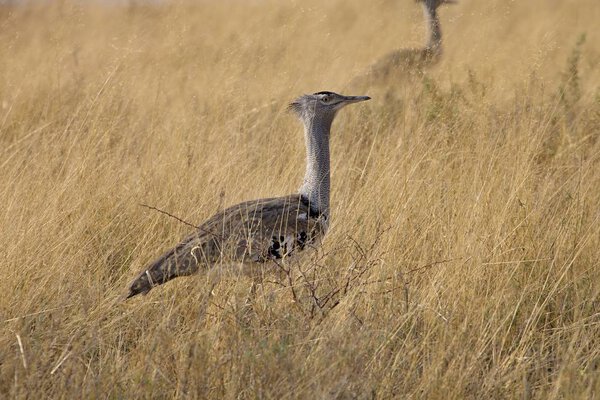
(322, 104)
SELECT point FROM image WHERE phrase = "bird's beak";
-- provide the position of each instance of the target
(355, 99)
(349, 100)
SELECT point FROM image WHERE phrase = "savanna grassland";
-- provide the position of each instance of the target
(463, 257)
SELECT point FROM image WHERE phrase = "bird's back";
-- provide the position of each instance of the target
(254, 231)
(401, 62)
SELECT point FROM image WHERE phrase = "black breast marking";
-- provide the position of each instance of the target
(312, 211)
(275, 247)
(281, 246)
(301, 240)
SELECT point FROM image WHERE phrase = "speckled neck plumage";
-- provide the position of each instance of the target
(434, 43)
(317, 176)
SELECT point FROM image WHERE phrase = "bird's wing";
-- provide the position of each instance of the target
(253, 231)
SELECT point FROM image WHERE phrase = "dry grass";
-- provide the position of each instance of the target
(463, 257)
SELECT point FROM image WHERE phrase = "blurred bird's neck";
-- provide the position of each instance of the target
(316, 178)
(434, 43)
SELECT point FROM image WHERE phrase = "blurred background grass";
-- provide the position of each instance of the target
(462, 260)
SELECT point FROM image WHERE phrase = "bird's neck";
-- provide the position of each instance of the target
(316, 183)
(434, 41)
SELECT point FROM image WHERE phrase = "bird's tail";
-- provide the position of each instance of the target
(174, 263)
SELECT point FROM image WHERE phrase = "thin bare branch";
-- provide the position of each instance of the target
(170, 215)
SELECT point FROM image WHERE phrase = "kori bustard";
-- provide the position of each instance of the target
(257, 231)
(413, 60)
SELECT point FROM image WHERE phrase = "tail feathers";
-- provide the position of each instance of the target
(141, 284)
(171, 265)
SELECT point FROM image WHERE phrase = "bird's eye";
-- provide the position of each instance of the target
(325, 99)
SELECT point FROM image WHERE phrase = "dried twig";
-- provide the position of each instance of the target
(200, 228)
(170, 215)
(23, 359)
(432, 264)
(288, 274)
(60, 362)
(36, 313)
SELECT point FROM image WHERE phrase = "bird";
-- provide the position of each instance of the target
(254, 232)
(412, 59)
